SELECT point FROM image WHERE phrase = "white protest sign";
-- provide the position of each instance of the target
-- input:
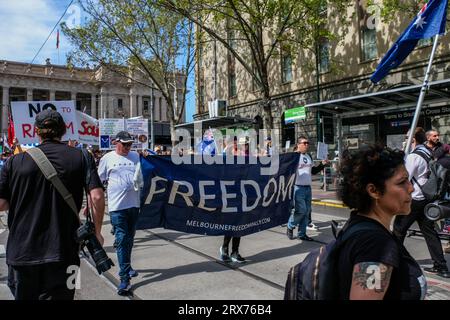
(322, 151)
(108, 129)
(24, 113)
(138, 128)
(87, 129)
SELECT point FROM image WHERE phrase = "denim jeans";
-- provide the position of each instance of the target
(124, 223)
(302, 205)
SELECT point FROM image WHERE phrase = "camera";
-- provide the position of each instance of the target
(437, 210)
(86, 237)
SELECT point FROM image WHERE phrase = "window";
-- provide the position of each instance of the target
(232, 90)
(324, 56)
(323, 8)
(145, 106)
(119, 104)
(369, 44)
(231, 35)
(286, 68)
(368, 32)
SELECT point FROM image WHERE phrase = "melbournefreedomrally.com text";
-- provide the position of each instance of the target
(226, 227)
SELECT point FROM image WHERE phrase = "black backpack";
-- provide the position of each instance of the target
(438, 179)
(316, 278)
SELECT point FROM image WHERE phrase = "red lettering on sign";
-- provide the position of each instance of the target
(70, 127)
(88, 130)
(28, 130)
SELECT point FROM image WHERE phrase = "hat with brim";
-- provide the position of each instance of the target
(124, 137)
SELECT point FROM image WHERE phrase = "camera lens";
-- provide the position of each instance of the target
(433, 213)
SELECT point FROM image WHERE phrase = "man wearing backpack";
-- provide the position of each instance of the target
(417, 166)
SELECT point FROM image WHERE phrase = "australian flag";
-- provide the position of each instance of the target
(429, 22)
(207, 145)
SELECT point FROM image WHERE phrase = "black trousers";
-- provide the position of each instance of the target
(47, 281)
(234, 245)
(403, 223)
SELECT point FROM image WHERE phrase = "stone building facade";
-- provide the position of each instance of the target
(343, 71)
(98, 92)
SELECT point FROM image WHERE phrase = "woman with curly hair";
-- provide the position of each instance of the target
(373, 264)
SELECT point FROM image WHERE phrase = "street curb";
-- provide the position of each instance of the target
(328, 204)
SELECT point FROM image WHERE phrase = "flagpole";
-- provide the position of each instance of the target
(423, 91)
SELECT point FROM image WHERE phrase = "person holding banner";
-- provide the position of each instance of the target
(117, 168)
(42, 250)
(302, 192)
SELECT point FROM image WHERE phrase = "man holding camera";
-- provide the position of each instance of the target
(117, 168)
(42, 250)
(417, 165)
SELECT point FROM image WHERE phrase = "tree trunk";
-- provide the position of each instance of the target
(173, 136)
(266, 105)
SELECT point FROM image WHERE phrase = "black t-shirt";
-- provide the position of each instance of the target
(41, 224)
(380, 245)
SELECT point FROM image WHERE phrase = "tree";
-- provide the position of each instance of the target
(144, 43)
(262, 29)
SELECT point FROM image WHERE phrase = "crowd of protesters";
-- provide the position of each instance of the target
(124, 204)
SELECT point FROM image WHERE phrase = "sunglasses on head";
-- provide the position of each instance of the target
(304, 142)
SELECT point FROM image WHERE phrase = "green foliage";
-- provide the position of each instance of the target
(262, 29)
(138, 40)
(390, 9)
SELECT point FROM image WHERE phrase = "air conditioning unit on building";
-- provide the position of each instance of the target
(217, 108)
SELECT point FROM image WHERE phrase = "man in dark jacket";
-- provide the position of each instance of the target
(41, 250)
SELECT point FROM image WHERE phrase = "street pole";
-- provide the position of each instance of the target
(423, 91)
(152, 145)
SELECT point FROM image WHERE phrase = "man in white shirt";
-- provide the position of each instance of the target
(302, 191)
(118, 168)
(417, 165)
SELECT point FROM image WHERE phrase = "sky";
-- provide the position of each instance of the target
(26, 24)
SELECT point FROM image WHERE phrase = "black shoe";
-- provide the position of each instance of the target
(305, 238)
(236, 257)
(290, 233)
(432, 269)
(444, 273)
(224, 255)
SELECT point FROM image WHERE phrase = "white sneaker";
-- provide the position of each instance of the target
(312, 227)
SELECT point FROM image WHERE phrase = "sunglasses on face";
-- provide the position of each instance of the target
(127, 145)
(304, 142)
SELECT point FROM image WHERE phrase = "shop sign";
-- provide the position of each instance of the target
(360, 127)
(294, 114)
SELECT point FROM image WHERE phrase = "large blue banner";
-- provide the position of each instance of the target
(215, 199)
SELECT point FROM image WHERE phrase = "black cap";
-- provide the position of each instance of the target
(124, 137)
(49, 119)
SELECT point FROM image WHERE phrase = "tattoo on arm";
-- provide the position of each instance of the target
(372, 275)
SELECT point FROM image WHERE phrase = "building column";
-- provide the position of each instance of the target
(132, 103)
(110, 111)
(103, 103)
(4, 111)
(29, 94)
(73, 96)
(93, 105)
(140, 105)
(52, 95)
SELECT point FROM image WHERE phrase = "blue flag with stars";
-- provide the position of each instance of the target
(429, 22)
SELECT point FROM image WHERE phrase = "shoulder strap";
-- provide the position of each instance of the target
(425, 156)
(353, 229)
(50, 174)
